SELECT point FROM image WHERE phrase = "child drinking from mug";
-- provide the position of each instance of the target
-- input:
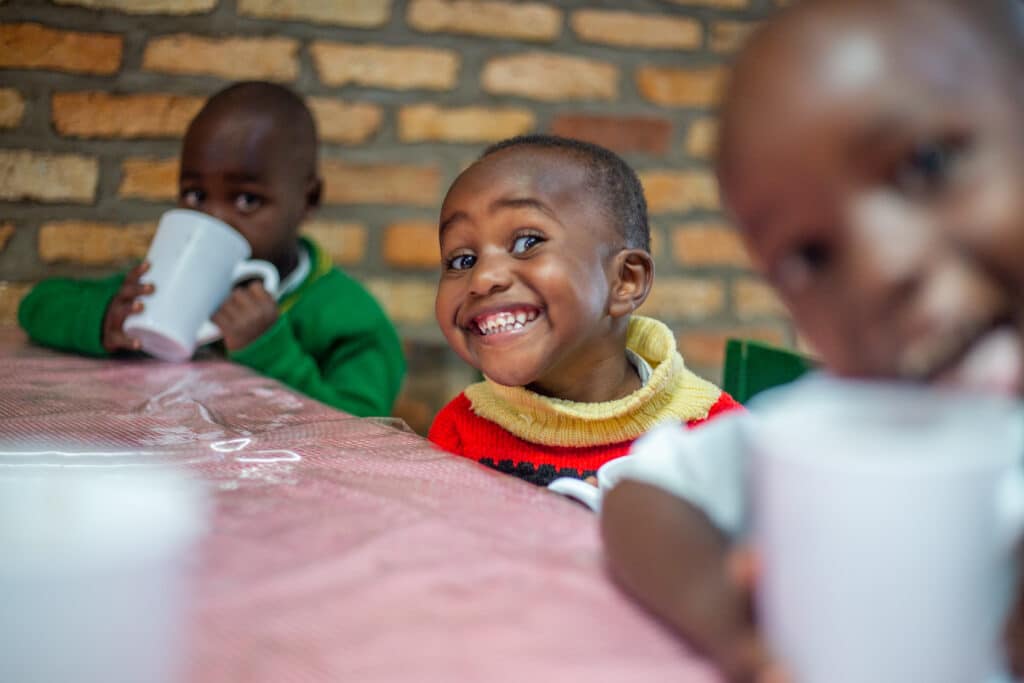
(544, 247)
(249, 158)
(873, 155)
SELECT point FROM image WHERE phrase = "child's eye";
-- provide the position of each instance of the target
(927, 167)
(799, 267)
(247, 202)
(461, 262)
(525, 243)
(192, 198)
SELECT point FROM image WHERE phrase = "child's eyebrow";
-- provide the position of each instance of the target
(243, 177)
(881, 128)
(235, 177)
(502, 203)
(520, 203)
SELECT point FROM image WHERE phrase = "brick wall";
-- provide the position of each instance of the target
(95, 94)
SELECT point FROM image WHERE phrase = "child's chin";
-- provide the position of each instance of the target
(994, 365)
(509, 378)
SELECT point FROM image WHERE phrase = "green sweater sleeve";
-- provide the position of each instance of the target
(360, 375)
(334, 343)
(68, 314)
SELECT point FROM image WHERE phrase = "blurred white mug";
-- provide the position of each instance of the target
(885, 518)
(195, 260)
(95, 573)
(608, 475)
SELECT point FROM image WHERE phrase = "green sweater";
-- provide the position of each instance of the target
(331, 341)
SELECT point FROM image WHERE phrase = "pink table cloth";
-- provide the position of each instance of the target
(342, 549)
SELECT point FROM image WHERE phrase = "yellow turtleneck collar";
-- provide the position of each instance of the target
(673, 393)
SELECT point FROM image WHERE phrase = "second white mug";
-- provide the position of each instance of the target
(195, 260)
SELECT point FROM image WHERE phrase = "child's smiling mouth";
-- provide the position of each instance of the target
(498, 322)
(987, 358)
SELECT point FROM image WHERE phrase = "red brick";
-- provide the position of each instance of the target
(624, 134)
(345, 243)
(550, 77)
(345, 122)
(418, 123)
(708, 244)
(412, 244)
(679, 87)
(705, 347)
(93, 244)
(174, 7)
(273, 59)
(27, 174)
(6, 232)
(701, 138)
(12, 108)
(720, 4)
(405, 301)
(728, 36)
(755, 299)
(532, 21)
(358, 13)
(152, 179)
(102, 115)
(384, 66)
(11, 294)
(34, 46)
(352, 183)
(422, 122)
(630, 29)
(684, 298)
(680, 191)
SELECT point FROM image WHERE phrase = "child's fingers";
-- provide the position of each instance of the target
(743, 568)
(137, 272)
(226, 315)
(259, 292)
(132, 290)
(121, 309)
(120, 340)
(773, 674)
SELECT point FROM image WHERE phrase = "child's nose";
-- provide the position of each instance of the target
(219, 211)
(489, 275)
(892, 250)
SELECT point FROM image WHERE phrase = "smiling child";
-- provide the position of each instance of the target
(545, 258)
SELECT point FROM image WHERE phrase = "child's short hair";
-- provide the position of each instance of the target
(287, 109)
(610, 178)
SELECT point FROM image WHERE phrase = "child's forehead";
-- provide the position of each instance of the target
(527, 171)
(235, 138)
(557, 181)
(849, 76)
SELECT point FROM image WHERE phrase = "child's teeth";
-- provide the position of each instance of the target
(506, 322)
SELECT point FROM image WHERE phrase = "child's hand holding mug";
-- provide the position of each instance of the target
(247, 313)
(125, 303)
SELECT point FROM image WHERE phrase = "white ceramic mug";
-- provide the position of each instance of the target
(608, 475)
(885, 518)
(95, 577)
(194, 260)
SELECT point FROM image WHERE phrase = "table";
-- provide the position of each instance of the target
(343, 549)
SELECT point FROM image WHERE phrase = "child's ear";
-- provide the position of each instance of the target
(633, 271)
(314, 193)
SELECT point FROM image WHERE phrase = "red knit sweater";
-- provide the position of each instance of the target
(459, 430)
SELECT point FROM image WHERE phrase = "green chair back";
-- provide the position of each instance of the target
(753, 366)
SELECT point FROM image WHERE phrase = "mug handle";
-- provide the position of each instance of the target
(579, 490)
(245, 270)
